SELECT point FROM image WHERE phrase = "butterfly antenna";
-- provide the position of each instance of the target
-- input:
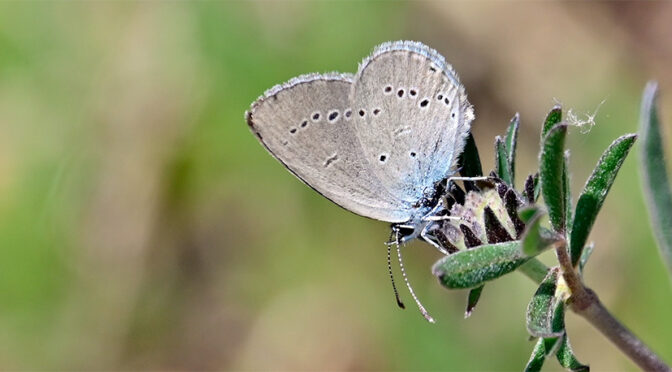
(389, 267)
(423, 311)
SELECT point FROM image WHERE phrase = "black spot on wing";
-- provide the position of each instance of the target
(330, 160)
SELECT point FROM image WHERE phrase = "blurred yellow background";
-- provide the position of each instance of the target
(142, 226)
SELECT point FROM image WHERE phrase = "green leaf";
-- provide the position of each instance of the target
(545, 312)
(537, 358)
(595, 191)
(551, 175)
(546, 347)
(537, 187)
(654, 173)
(587, 251)
(566, 189)
(553, 118)
(510, 144)
(473, 267)
(535, 240)
(502, 161)
(552, 344)
(567, 359)
(528, 212)
(472, 300)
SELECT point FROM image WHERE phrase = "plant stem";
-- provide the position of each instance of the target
(597, 315)
(534, 269)
(585, 302)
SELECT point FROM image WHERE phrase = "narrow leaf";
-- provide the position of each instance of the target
(552, 344)
(551, 175)
(535, 240)
(567, 359)
(587, 251)
(566, 189)
(545, 312)
(553, 118)
(511, 142)
(473, 267)
(472, 300)
(537, 187)
(595, 191)
(502, 161)
(537, 358)
(654, 174)
(526, 213)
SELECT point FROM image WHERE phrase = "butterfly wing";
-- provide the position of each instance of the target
(306, 125)
(412, 117)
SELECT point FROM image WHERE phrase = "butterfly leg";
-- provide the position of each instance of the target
(479, 178)
(415, 230)
(427, 236)
(489, 179)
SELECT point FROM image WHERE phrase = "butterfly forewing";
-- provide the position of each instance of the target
(306, 124)
(411, 118)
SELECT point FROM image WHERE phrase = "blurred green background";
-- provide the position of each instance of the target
(142, 226)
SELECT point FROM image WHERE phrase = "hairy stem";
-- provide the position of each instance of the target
(597, 315)
(585, 302)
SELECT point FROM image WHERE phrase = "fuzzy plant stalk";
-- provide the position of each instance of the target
(497, 229)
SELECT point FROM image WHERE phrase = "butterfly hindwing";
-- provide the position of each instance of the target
(306, 124)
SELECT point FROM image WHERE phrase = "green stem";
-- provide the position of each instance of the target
(534, 269)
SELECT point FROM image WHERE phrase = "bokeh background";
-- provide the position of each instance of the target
(142, 226)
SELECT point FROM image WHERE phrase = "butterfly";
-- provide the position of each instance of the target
(379, 143)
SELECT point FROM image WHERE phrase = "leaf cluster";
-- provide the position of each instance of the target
(506, 229)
